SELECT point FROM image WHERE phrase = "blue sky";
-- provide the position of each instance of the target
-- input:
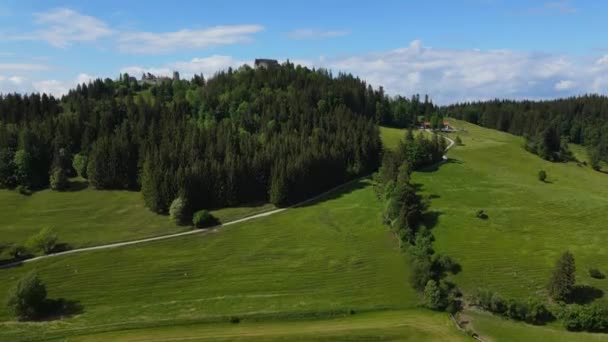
(453, 50)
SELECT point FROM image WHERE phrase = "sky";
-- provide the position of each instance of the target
(459, 50)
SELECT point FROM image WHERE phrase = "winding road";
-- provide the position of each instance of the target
(196, 231)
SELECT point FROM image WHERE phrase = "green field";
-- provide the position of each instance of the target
(317, 261)
(391, 136)
(530, 223)
(89, 217)
(409, 325)
(497, 329)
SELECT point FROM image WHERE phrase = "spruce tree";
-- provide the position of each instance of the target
(563, 278)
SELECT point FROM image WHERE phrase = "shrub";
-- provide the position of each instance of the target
(178, 211)
(24, 190)
(27, 299)
(542, 175)
(235, 320)
(45, 241)
(433, 298)
(481, 214)
(563, 278)
(17, 252)
(202, 219)
(593, 317)
(80, 165)
(58, 180)
(597, 274)
(458, 141)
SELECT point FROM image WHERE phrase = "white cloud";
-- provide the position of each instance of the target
(151, 42)
(451, 75)
(62, 27)
(16, 79)
(22, 67)
(308, 33)
(564, 85)
(54, 87)
(207, 66)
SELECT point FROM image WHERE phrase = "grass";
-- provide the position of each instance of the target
(317, 261)
(410, 325)
(530, 222)
(89, 217)
(391, 136)
(497, 329)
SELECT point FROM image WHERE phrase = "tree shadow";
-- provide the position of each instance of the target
(61, 247)
(436, 166)
(431, 218)
(585, 294)
(56, 309)
(77, 185)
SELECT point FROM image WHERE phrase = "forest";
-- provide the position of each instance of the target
(547, 125)
(280, 134)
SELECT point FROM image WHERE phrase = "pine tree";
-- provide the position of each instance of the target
(563, 278)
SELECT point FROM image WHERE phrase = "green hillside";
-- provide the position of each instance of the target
(316, 261)
(90, 217)
(530, 222)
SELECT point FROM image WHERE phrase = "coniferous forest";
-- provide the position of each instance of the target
(280, 134)
(547, 125)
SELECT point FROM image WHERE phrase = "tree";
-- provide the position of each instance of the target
(458, 141)
(79, 163)
(433, 298)
(23, 167)
(58, 180)
(563, 278)
(178, 211)
(27, 299)
(542, 176)
(45, 240)
(202, 219)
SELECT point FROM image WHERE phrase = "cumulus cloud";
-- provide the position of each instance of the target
(207, 66)
(308, 33)
(151, 42)
(22, 67)
(564, 85)
(451, 75)
(62, 27)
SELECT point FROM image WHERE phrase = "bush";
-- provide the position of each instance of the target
(80, 165)
(433, 298)
(24, 190)
(58, 180)
(18, 252)
(597, 274)
(178, 212)
(45, 241)
(593, 317)
(458, 141)
(481, 214)
(542, 175)
(202, 219)
(27, 299)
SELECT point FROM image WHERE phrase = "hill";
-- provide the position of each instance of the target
(322, 261)
(530, 222)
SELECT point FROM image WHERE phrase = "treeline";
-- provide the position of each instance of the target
(405, 212)
(548, 125)
(279, 134)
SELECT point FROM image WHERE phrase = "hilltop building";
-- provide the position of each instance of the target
(148, 78)
(265, 63)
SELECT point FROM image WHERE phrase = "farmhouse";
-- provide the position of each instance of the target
(265, 63)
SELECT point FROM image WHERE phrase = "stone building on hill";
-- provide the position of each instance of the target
(265, 63)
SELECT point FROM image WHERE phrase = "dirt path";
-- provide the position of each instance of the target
(192, 232)
(170, 236)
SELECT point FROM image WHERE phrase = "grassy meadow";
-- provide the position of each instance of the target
(530, 222)
(321, 260)
(88, 217)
